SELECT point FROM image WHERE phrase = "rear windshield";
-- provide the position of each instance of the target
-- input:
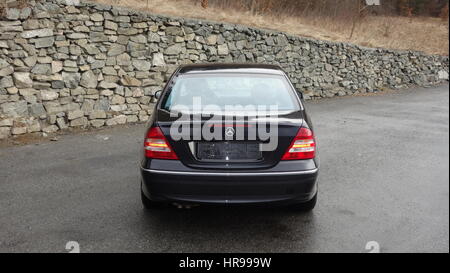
(221, 90)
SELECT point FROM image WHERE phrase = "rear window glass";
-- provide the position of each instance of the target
(260, 90)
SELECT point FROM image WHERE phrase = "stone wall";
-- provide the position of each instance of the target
(69, 64)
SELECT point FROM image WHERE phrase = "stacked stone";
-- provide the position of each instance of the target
(66, 63)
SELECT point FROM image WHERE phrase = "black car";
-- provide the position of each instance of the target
(229, 134)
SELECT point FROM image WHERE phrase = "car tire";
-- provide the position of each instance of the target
(149, 204)
(306, 206)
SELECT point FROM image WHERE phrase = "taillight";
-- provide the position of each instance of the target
(303, 146)
(156, 145)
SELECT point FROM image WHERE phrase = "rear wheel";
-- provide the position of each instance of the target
(149, 204)
(306, 206)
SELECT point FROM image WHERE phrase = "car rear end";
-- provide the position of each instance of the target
(240, 165)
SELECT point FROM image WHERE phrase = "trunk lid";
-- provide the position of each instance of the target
(247, 148)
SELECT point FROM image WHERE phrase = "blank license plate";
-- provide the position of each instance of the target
(228, 151)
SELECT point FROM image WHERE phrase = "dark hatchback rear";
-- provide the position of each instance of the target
(229, 134)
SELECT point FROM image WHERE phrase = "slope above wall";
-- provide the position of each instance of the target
(66, 63)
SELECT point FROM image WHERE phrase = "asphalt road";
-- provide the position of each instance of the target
(384, 177)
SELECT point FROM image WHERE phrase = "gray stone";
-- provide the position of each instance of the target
(19, 128)
(108, 70)
(76, 36)
(106, 93)
(98, 37)
(222, 50)
(42, 85)
(72, 2)
(134, 48)
(11, 29)
(97, 17)
(15, 109)
(443, 75)
(70, 63)
(12, 90)
(97, 64)
(6, 71)
(123, 19)
(127, 31)
(10, 23)
(33, 126)
(4, 132)
(89, 79)
(174, 31)
(30, 24)
(6, 82)
(71, 80)
(50, 129)
(63, 44)
(75, 50)
(22, 80)
(116, 49)
(75, 114)
(141, 65)
(61, 123)
(97, 114)
(139, 39)
(79, 122)
(211, 40)
(153, 37)
(53, 107)
(3, 63)
(44, 69)
(25, 13)
(30, 61)
(51, 119)
(36, 109)
(345, 83)
(56, 66)
(140, 25)
(158, 59)
(120, 119)
(174, 49)
(130, 81)
(58, 84)
(45, 32)
(44, 60)
(123, 59)
(97, 123)
(27, 92)
(117, 100)
(6, 122)
(111, 25)
(132, 119)
(91, 50)
(107, 85)
(12, 14)
(44, 42)
(47, 95)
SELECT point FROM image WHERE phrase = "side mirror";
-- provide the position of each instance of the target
(158, 94)
(300, 94)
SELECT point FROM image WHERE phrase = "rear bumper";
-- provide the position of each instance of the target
(221, 187)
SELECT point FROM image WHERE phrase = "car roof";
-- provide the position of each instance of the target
(230, 68)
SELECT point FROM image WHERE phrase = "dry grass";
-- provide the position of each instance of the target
(429, 35)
